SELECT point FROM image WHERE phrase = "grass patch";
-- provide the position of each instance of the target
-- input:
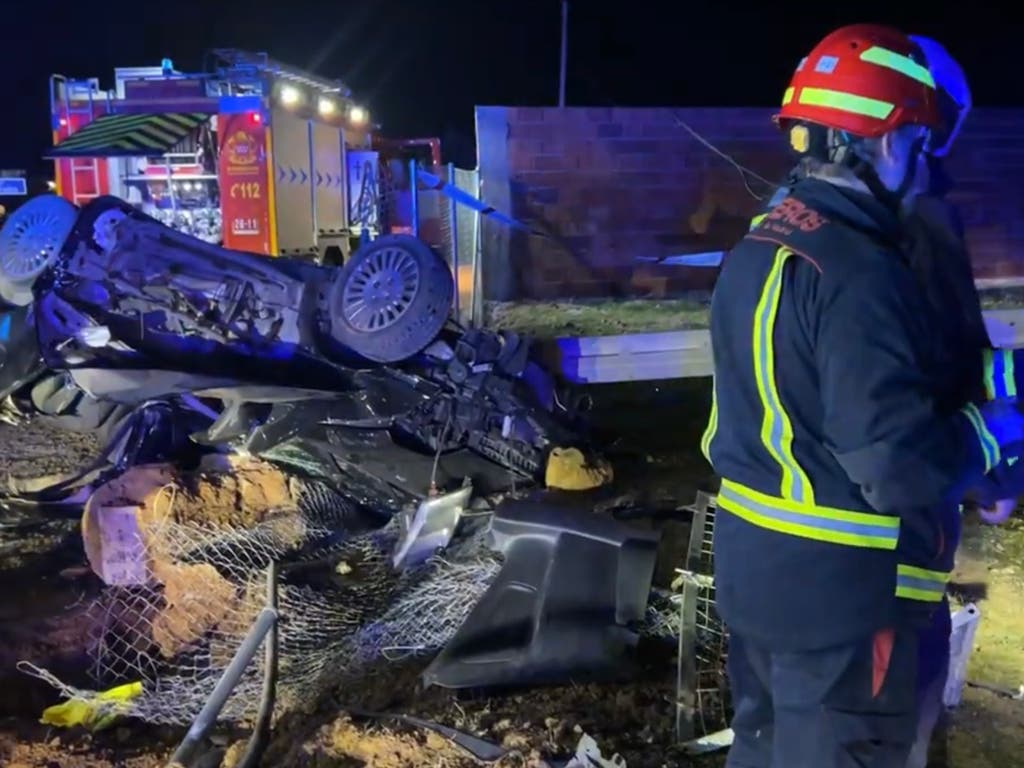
(551, 319)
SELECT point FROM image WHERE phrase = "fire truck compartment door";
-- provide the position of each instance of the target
(129, 135)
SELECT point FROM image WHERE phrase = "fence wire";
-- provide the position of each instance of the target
(343, 608)
(199, 551)
(702, 696)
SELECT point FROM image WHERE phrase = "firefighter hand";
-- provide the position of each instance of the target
(999, 512)
(1005, 422)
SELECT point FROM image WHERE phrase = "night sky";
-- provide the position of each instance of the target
(421, 65)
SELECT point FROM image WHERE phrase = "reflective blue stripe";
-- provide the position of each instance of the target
(913, 583)
(989, 446)
(827, 524)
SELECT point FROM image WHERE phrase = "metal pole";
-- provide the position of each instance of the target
(454, 225)
(204, 721)
(476, 313)
(261, 733)
(414, 202)
(565, 52)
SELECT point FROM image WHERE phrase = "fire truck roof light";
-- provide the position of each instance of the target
(326, 106)
(358, 115)
(290, 95)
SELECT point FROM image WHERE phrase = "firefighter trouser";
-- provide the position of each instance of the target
(933, 669)
(854, 706)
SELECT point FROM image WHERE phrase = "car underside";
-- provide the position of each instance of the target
(355, 378)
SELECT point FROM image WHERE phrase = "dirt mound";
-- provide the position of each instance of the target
(130, 538)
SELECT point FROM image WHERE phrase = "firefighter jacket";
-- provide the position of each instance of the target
(968, 368)
(840, 474)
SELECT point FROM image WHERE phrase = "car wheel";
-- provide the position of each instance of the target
(100, 218)
(30, 241)
(390, 299)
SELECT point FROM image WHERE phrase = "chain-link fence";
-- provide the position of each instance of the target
(702, 702)
(183, 590)
(184, 556)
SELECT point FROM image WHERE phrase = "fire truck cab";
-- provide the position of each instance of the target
(255, 155)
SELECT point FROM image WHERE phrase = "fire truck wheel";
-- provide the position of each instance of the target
(391, 298)
(30, 241)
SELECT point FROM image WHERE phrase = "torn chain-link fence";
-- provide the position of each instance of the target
(344, 611)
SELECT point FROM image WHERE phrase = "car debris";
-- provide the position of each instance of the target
(409, 456)
(148, 324)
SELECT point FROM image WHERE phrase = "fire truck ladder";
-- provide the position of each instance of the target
(68, 95)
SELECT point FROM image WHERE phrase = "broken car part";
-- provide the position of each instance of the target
(394, 394)
(564, 605)
(481, 749)
(429, 527)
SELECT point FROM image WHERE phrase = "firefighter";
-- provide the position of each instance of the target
(840, 475)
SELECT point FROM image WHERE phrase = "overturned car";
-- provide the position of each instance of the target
(354, 384)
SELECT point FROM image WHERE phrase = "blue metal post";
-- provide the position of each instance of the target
(454, 226)
(414, 204)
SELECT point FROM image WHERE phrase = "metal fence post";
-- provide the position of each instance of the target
(264, 627)
(414, 202)
(454, 227)
(476, 291)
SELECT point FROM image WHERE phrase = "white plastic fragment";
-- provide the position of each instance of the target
(588, 755)
(712, 742)
(123, 554)
(961, 643)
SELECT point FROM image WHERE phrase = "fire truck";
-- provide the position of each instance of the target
(255, 155)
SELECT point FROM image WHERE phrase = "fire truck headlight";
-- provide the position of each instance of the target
(290, 95)
(326, 107)
(358, 116)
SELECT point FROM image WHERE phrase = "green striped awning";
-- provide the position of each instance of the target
(129, 134)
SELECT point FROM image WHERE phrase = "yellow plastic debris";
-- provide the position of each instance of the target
(568, 470)
(96, 713)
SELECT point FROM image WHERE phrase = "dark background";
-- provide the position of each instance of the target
(421, 65)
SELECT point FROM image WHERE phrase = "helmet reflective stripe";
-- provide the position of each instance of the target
(902, 64)
(847, 102)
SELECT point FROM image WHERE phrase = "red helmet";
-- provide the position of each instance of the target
(865, 79)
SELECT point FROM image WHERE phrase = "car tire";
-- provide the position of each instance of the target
(391, 299)
(30, 242)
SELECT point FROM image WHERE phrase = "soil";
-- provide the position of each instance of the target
(45, 579)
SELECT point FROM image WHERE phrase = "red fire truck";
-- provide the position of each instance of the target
(254, 154)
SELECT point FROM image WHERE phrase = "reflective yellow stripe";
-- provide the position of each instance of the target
(905, 65)
(712, 427)
(757, 219)
(846, 102)
(810, 521)
(989, 445)
(915, 583)
(788, 95)
(776, 429)
(999, 374)
(271, 202)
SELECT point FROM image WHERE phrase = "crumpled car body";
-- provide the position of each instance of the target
(354, 375)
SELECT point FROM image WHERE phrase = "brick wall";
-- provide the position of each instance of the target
(612, 185)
